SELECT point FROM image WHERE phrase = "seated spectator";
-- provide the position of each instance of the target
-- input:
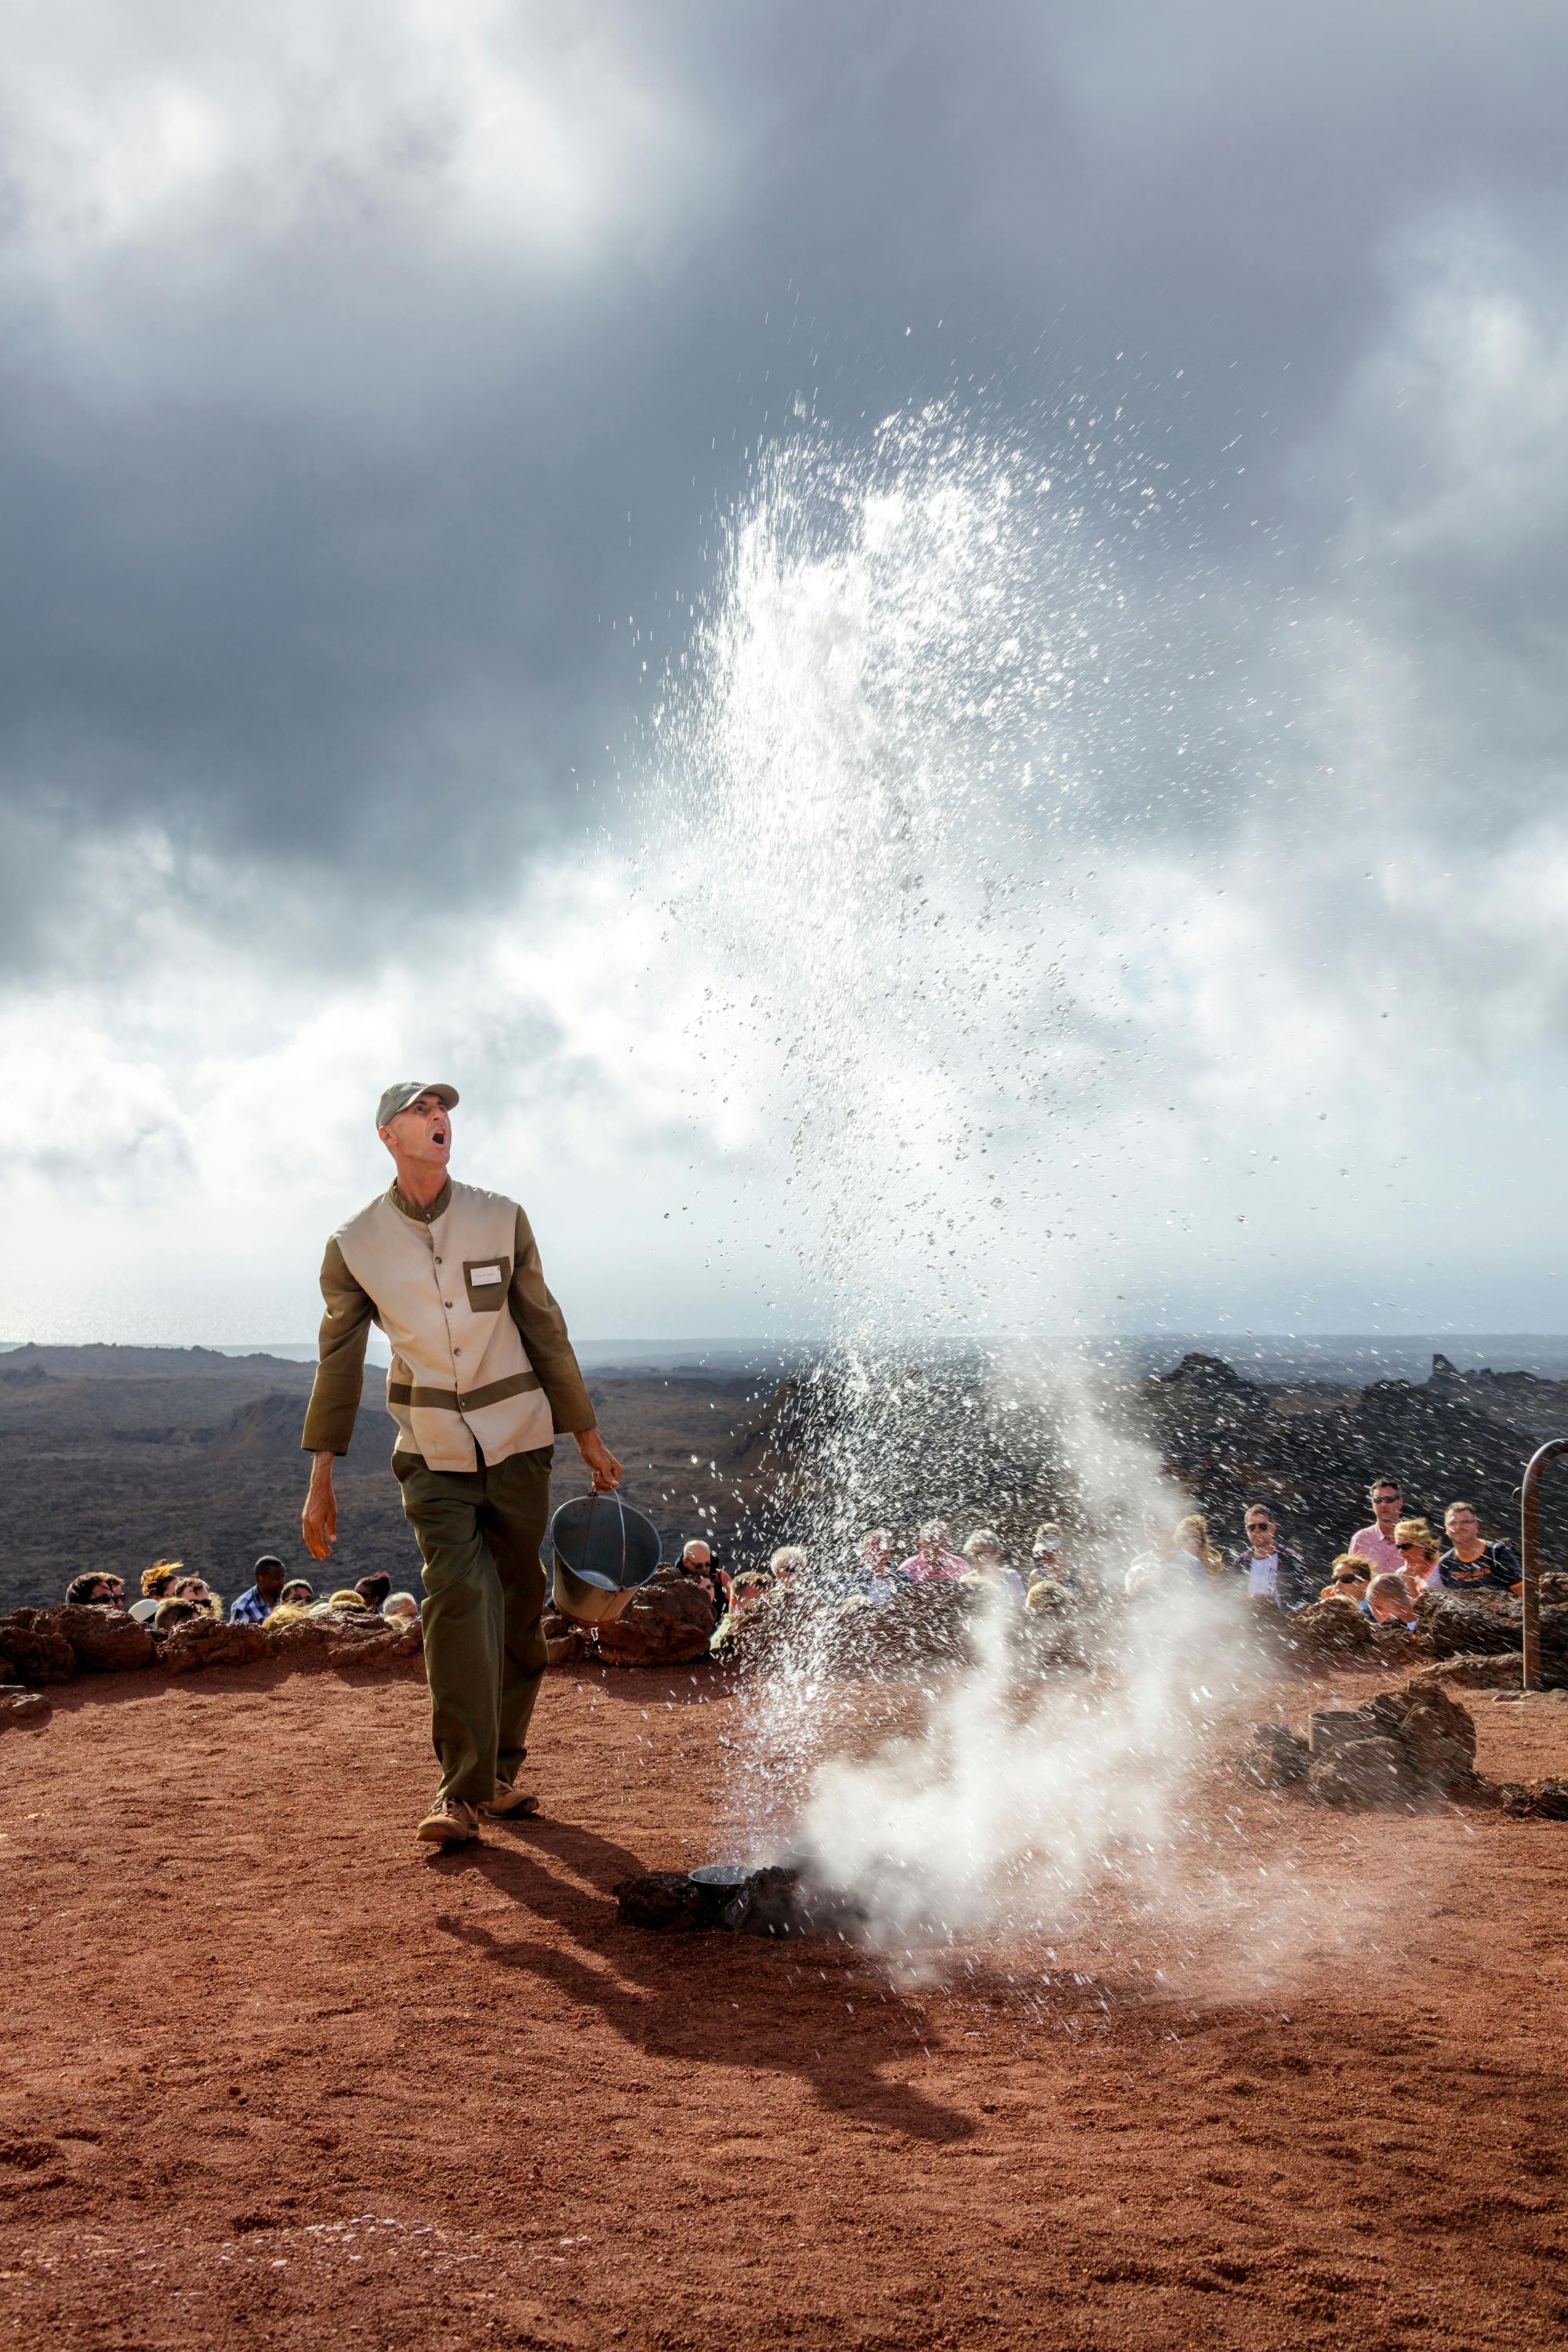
(1148, 1568)
(879, 1579)
(289, 1613)
(346, 1602)
(1472, 1566)
(400, 1609)
(786, 1565)
(984, 1553)
(1376, 1543)
(1049, 1560)
(1349, 1580)
(298, 1593)
(1046, 1593)
(262, 1595)
(199, 1593)
(1388, 1601)
(1274, 1571)
(374, 1589)
(696, 1561)
(155, 1583)
(1195, 1555)
(1419, 1551)
(170, 1613)
(95, 1590)
(932, 1558)
(753, 1584)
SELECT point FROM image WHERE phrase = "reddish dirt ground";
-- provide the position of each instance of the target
(273, 2076)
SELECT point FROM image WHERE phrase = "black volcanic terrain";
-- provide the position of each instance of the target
(114, 1455)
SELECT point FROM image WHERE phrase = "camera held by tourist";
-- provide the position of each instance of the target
(933, 1558)
(1274, 1570)
(1377, 1544)
(96, 1590)
(261, 1596)
(1472, 1565)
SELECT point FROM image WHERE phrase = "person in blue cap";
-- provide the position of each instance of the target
(482, 1378)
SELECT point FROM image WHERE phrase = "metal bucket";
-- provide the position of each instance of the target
(597, 1553)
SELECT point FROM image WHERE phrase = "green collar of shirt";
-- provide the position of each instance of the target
(411, 1208)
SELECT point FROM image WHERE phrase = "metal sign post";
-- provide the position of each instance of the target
(1529, 1558)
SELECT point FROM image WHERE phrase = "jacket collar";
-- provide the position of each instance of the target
(439, 1206)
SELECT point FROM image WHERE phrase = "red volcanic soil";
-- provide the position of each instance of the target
(275, 2076)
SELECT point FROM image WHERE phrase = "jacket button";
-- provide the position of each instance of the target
(446, 1302)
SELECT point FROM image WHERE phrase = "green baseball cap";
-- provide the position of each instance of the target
(408, 1090)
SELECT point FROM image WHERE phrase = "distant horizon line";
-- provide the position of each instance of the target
(758, 1341)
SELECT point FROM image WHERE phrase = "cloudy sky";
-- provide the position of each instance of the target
(424, 431)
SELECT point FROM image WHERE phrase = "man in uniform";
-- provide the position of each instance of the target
(482, 1376)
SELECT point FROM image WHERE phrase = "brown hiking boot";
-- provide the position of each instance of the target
(449, 1822)
(509, 1803)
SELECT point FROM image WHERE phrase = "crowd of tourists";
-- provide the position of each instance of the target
(170, 1597)
(1383, 1571)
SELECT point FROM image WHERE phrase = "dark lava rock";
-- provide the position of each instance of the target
(19, 1706)
(105, 1641)
(1454, 1625)
(1438, 1736)
(564, 1642)
(1536, 1800)
(1274, 1758)
(1475, 1672)
(669, 1621)
(671, 1899)
(1370, 1771)
(32, 1648)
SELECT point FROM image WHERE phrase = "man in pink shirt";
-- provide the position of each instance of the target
(1376, 1543)
(932, 1558)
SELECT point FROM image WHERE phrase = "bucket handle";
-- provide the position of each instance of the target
(597, 1494)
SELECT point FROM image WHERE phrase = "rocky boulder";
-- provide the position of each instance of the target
(1274, 1758)
(20, 1708)
(32, 1648)
(1328, 1630)
(1477, 1672)
(564, 1642)
(668, 1622)
(104, 1640)
(1371, 1772)
(1536, 1800)
(202, 1642)
(1454, 1625)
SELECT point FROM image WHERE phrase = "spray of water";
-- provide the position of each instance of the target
(888, 753)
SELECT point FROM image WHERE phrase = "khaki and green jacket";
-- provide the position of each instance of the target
(481, 1365)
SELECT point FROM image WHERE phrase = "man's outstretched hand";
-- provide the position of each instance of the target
(607, 1470)
(318, 1519)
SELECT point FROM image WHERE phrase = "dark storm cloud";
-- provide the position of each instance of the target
(323, 537)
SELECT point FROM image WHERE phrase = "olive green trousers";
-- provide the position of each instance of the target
(479, 1533)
